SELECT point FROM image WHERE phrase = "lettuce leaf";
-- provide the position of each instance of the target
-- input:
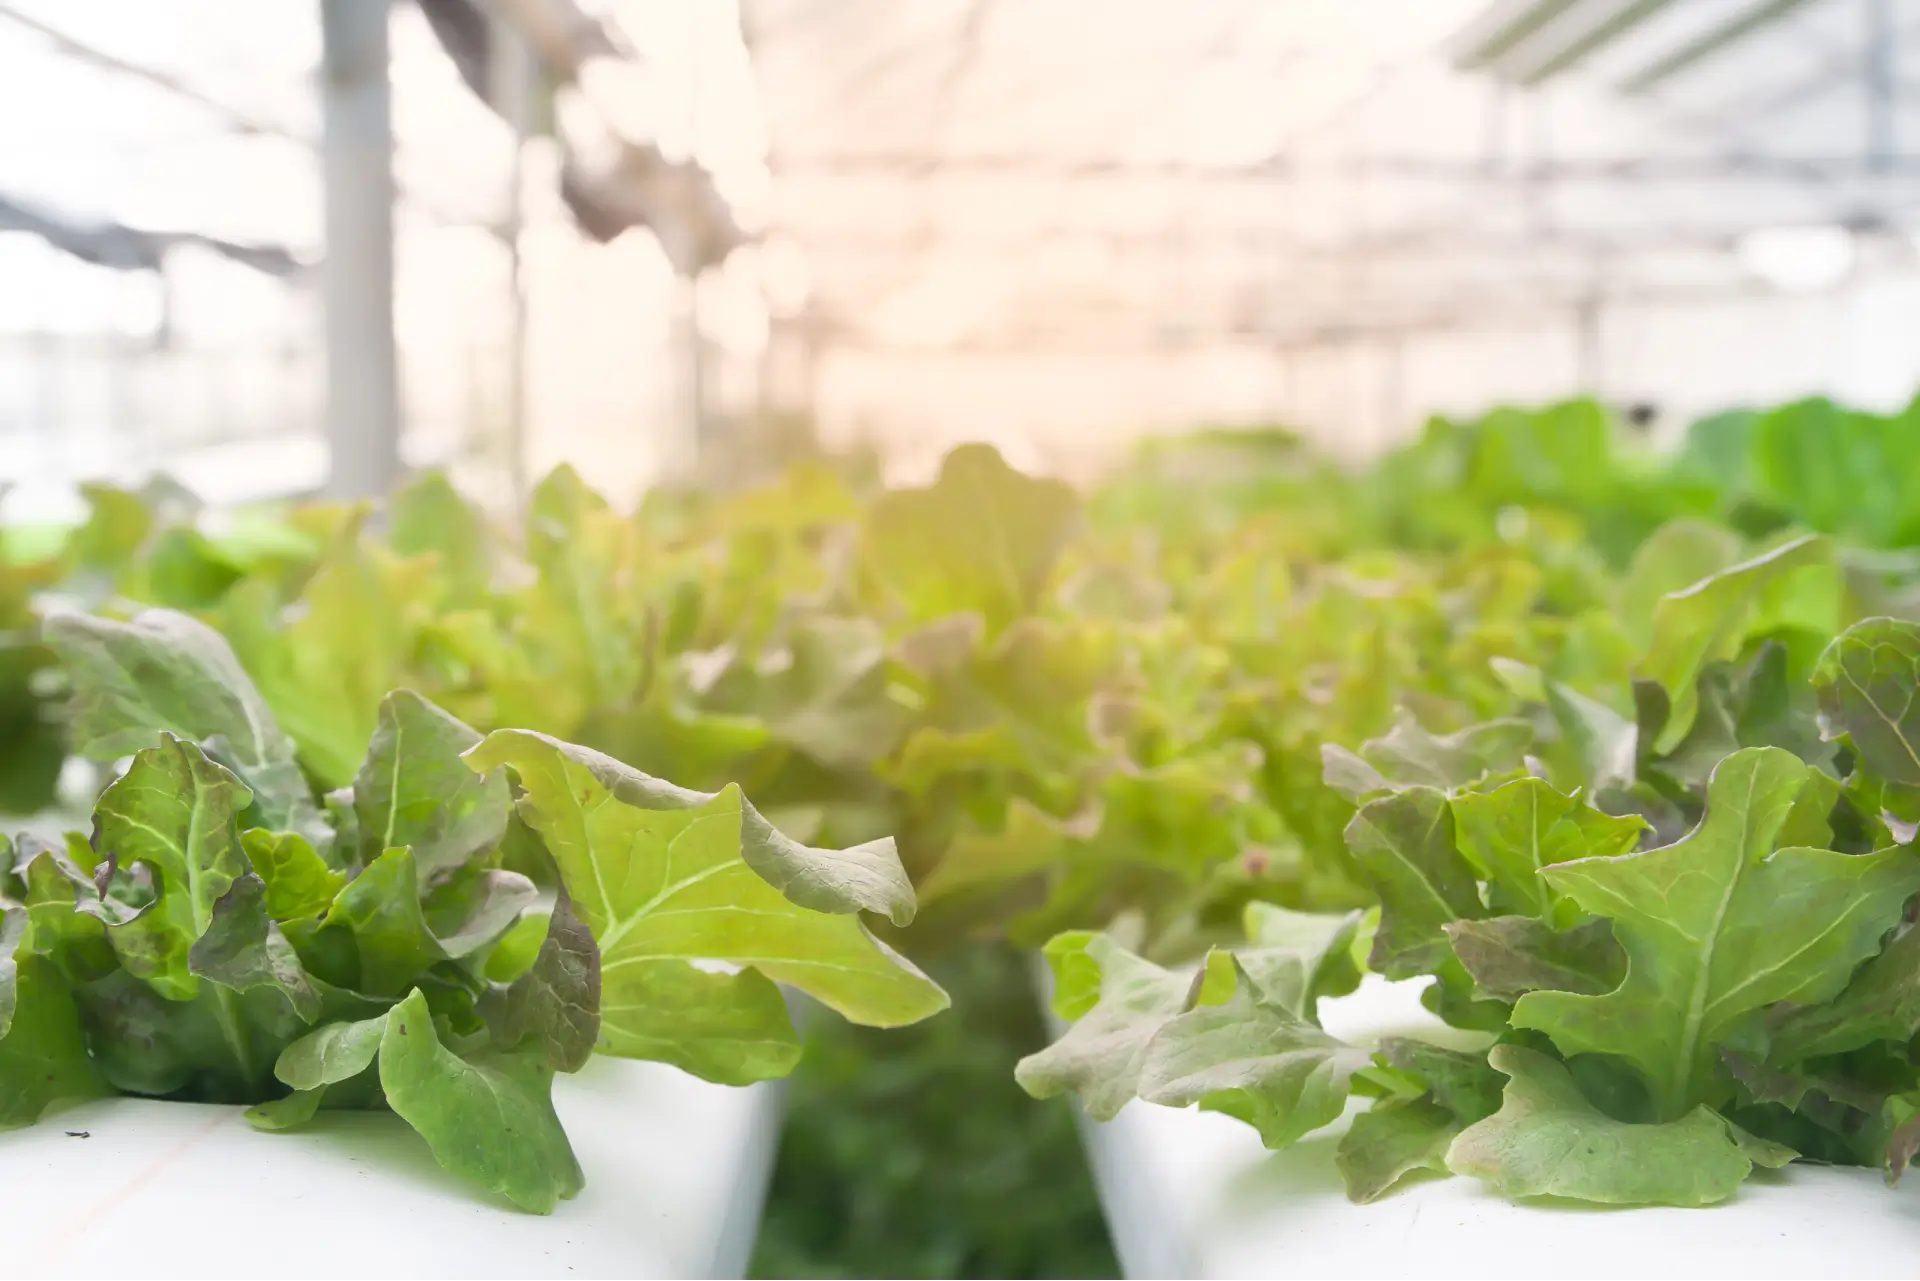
(668, 879)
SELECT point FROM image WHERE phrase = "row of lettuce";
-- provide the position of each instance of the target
(224, 934)
(1596, 737)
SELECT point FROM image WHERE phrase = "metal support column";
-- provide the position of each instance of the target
(363, 401)
(699, 426)
(512, 78)
(1589, 349)
(1882, 144)
(692, 448)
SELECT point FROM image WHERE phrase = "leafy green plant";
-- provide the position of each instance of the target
(1682, 938)
(31, 746)
(913, 1153)
(223, 935)
(1109, 711)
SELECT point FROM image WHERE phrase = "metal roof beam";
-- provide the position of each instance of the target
(1733, 165)
(1509, 35)
(1624, 20)
(1717, 40)
(233, 117)
(1487, 310)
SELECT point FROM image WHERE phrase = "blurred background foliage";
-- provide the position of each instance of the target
(912, 1152)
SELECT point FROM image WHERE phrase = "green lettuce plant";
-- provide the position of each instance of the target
(1672, 944)
(1088, 712)
(225, 935)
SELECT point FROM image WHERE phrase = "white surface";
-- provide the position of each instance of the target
(676, 1169)
(1191, 1194)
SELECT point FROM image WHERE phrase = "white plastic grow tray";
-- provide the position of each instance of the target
(676, 1170)
(1193, 1194)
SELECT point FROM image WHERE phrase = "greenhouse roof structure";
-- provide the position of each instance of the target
(975, 172)
(964, 211)
(969, 172)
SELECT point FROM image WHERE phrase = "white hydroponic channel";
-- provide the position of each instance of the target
(1193, 1194)
(676, 1171)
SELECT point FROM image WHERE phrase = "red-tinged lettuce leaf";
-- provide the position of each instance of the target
(1296, 958)
(1432, 1095)
(1101, 1056)
(413, 789)
(555, 1004)
(472, 909)
(1718, 927)
(1749, 704)
(1404, 844)
(1548, 1140)
(166, 672)
(666, 878)
(1462, 1082)
(983, 539)
(173, 811)
(1882, 1003)
(242, 950)
(1408, 756)
(1253, 1059)
(1904, 1143)
(53, 882)
(1835, 1103)
(218, 1047)
(1389, 1141)
(1138, 1027)
(1459, 1002)
(1509, 956)
(488, 1117)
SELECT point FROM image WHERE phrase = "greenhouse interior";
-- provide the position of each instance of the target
(952, 638)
